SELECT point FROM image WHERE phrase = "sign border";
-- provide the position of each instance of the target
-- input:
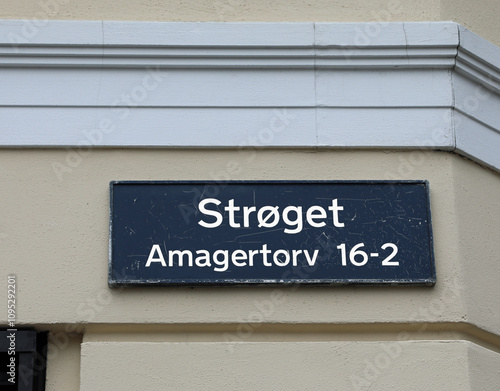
(113, 283)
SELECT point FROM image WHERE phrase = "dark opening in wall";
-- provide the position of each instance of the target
(23, 360)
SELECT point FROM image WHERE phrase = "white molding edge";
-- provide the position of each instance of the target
(431, 85)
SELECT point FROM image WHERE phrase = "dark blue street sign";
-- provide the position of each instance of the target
(270, 232)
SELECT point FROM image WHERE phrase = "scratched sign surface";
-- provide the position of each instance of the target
(270, 232)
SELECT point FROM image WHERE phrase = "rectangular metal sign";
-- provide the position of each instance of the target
(270, 232)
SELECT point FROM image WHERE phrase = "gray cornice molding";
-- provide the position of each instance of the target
(351, 85)
(478, 59)
(230, 45)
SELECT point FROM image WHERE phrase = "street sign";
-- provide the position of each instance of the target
(270, 232)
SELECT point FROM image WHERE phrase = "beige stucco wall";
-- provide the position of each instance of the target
(414, 365)
(57, 233)
(54, 236)
(479, 16)
(478, 211)
(63, 366)
(277, 366)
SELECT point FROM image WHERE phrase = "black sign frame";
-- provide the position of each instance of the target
(429, 280)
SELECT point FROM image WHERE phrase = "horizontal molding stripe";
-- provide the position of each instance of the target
(162, 84)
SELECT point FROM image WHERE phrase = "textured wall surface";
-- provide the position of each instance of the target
(437, 365)
(57, 231)
(54, 236)
(479, 16)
